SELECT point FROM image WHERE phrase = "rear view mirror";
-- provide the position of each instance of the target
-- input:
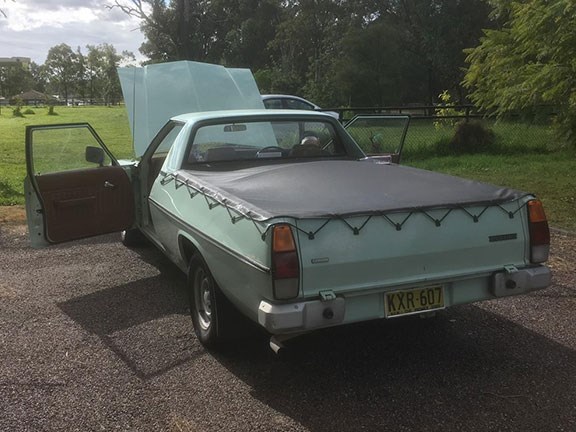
(95, 155)
(235, 128)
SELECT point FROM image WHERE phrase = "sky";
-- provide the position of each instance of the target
(32, 27)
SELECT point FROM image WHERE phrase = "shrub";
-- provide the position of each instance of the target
(472, 137)
(443, 113)
(17, 112)
(29, 111)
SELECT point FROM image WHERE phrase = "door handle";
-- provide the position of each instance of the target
(109, 185)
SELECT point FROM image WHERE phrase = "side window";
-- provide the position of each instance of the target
(379, 134)
(159, 156)
(273, 104)
(168, 140)
(65, 149)
(326, 136)
(296, 104)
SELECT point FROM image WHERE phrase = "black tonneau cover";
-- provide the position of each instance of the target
(330, 189)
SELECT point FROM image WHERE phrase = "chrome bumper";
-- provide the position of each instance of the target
(302, 316)
(515, 281)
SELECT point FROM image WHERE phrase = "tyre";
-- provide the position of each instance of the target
(133, 237)
(209, 308)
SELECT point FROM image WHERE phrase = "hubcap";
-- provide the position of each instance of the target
(202, 291)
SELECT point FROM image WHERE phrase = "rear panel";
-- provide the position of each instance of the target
(410, 249)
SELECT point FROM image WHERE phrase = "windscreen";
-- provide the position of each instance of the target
(264, 140)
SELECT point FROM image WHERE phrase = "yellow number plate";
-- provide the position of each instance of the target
(411, 301)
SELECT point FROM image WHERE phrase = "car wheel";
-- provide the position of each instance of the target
(133, 237)
(208, 305)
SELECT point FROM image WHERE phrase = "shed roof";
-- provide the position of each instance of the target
(34, 95)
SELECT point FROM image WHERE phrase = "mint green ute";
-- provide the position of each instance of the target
(279, 216)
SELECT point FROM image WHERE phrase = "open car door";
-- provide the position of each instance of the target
(74, 186)
(380, 135)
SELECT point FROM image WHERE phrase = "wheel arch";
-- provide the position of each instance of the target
(188, 248)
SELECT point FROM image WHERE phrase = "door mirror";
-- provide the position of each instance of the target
(95, 155)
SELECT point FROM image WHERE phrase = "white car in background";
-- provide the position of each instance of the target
(279, 101)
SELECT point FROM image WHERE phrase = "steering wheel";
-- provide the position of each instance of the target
(267, 149)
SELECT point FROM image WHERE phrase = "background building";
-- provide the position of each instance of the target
(13, 61)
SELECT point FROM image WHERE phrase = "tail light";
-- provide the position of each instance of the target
(539, 232)
(285, 264)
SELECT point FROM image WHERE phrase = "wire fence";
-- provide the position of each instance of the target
(432, 131)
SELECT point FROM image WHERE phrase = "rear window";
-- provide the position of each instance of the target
(264, 140)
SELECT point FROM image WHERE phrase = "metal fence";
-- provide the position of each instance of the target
(432, 129)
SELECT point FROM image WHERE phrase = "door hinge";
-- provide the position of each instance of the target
(327, 295)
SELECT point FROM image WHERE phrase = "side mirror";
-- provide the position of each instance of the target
(95, 155)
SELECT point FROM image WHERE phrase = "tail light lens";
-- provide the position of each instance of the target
(539, 232)
(285, 263)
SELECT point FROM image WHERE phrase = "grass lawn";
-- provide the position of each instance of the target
(509, 138)
(551, 177)
(533, 162)
(111, 123)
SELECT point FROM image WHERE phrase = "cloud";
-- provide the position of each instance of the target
(63, 4)
(33, 27)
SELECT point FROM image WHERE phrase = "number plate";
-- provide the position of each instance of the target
(412, 301)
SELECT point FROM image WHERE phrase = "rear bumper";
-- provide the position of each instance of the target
(313, 314)
(301, 316)
(515, 282)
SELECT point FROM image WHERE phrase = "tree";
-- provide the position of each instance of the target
(247, 28)
(174, 30)
(101, 76)
(528, 62)
(219, 31)
(81, 82)
(15, 79)
(376, 51)
(333, 51)
(306, 45)
(38, 77)
(374, 55)
(435, 33)
(61, 68)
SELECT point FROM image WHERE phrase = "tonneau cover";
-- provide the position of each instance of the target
(323, 189)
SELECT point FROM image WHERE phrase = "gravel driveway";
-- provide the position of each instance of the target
(94, 336)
